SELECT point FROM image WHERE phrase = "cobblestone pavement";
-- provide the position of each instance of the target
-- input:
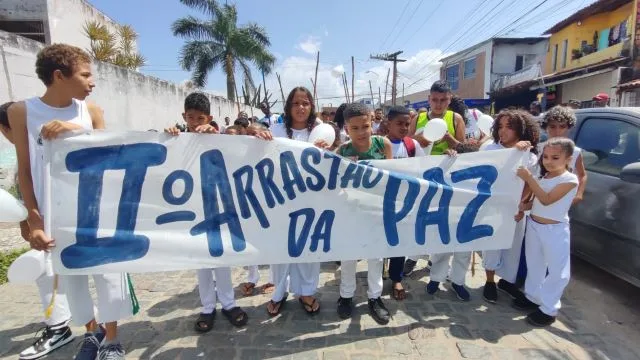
(599, 320)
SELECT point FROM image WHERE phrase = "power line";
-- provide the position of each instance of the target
(407, 22)
(394, 25)
(423, 23)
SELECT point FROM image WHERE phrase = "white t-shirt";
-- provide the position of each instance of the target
(269, 120)
(399, 150)
(279, 130)
(472, 131)
(559, 210)
(532, 162)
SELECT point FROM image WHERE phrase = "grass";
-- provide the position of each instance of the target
(6, 258)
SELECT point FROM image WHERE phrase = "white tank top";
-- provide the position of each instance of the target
(38, 114)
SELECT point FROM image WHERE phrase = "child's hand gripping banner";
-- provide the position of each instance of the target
(144, 202)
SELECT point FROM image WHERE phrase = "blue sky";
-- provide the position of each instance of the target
(423, 29)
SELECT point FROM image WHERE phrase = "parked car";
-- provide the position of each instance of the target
(605, 226)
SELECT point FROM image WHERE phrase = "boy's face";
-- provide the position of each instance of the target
(557, 129)
(359, 129)
(439, 102)
(378, 115)
(195, 118)
(80, 83)
(398, 128)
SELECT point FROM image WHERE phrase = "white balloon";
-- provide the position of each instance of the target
(27, 268)
(324, 132)
(434, 130)
(485, 123)
(11, 210)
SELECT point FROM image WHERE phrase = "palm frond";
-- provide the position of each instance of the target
(191, 27)
(206, 6)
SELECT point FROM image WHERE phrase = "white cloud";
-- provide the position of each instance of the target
(298, 70)
(311, 45)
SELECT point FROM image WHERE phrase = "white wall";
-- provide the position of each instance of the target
(585, 89)
(131, 101)
(67, 18)
(504, 55)
(23, 9)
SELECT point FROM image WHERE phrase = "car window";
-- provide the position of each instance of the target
(608, 144)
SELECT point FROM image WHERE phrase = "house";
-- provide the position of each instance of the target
(52, 21)
(589, 53)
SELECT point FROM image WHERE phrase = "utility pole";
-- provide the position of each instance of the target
(386, 86)
(394, 58)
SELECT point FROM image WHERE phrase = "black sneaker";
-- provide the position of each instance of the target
(50, 339)
(378, 311)
(523, 304)
(540, 319)
(490, 292)
(409, 266)
(344, 307)
(509, 288)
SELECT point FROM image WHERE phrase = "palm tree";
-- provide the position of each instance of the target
(104, 45)
(218, 41)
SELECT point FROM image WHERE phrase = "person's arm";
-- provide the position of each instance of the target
(582, 179)
(97, 115)
(545, 198)
(388, 149)
(458, 137)
(18, 121)
(413, 124)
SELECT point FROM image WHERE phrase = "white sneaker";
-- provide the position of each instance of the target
(50, 339)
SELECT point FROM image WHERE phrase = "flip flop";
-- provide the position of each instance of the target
(236, 316)
(308, 308)
(205, 322)
(277, 305)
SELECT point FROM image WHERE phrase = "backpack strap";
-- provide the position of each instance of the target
(409, 145)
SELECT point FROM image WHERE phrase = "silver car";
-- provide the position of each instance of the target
(605, 226)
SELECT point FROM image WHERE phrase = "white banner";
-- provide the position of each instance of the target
(143, 202)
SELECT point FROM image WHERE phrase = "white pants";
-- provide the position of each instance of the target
(112, 292)
(253, 275)
(61, 312)
(547, 247)
(506, 262)
(459, 265)
(301, 279)
(348, 278)
(213, 290)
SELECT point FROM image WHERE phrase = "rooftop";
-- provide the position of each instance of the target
(598, 7)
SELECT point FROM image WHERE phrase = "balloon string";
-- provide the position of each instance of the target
(49, 310)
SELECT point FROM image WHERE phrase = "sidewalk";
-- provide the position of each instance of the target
(423, 326)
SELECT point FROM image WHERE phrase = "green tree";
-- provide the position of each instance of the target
(113, 48)
(218, 41)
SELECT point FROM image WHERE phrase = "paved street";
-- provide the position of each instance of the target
(599, 320)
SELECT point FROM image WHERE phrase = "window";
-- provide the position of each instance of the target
(565, 46)
(608, 145)
(453, 76)
(33, 30)
(525, 60)
(554, 58)
(470, 68)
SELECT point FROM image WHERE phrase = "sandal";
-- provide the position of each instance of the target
(309, 307)
(277, 306)
(205, 322)
(268, 288)
(247, 288)
(398, 294)
(236, 316)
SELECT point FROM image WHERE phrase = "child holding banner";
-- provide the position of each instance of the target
(402, 146)
(363, 146)
(66, 72)
(301, 279)
(511, 129)
(197, 114)
(547, 244)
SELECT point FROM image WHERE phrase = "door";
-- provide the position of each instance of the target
(604, 225)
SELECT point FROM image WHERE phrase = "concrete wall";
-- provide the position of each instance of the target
(131, 101)
(67, 18)
(23, 10)
(585, 88)
(504, 55)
